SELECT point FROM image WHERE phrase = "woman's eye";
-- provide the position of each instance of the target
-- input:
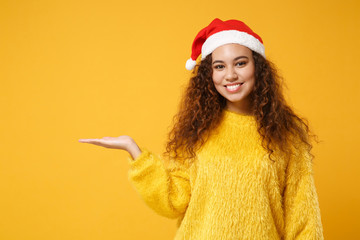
(241, 63)
(219, 66)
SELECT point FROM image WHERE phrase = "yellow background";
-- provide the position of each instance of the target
(88, 69)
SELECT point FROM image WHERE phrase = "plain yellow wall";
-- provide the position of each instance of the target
(86, 69)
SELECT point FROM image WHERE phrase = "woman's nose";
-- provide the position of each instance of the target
(231, 74)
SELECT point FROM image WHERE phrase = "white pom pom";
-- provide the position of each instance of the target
(190, 64)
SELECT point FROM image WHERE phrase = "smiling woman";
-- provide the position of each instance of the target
(234, 76)
(238, 162)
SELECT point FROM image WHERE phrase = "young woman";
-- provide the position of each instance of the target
(238, 162)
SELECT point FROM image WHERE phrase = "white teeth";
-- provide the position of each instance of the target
(233, 87)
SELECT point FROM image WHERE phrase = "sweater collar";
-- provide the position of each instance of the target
(238, 118)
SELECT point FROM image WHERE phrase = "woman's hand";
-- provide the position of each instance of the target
(122, 142)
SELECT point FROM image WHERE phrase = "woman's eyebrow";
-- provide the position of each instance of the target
(237, 58)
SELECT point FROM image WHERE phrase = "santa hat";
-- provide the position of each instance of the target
(219, 33)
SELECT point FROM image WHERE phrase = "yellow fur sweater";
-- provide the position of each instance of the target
(232, 190)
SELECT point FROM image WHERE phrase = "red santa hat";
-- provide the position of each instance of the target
(219, 33)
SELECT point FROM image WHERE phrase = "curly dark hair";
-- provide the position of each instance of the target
(201, 109)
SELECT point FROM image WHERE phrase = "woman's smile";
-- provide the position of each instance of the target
(234, 87)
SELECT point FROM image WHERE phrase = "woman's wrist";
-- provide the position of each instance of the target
(133, 149)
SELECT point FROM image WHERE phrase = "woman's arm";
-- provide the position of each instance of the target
(164, 189)
(301, 206)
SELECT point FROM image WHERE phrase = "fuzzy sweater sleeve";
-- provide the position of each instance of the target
(164, 189)
(301, 206)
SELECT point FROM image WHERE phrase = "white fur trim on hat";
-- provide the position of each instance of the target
(231, 36)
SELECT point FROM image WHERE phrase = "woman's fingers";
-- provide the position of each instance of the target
(89, 140)
(96, 141)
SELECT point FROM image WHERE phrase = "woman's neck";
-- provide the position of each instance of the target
(243, 107)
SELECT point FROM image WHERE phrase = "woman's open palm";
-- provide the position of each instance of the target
(122, 142)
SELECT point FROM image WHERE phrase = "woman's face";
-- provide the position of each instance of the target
(234, 75)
